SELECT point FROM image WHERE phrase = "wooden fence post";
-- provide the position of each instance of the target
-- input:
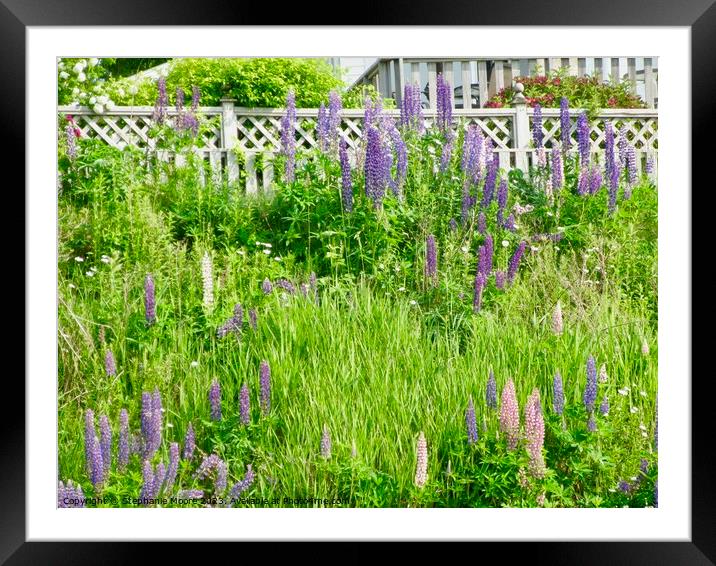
(521, 127)
(228, 138)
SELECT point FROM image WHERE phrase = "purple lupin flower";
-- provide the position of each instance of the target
(452, 225)
(446, 155)
(622, 144)
(189, 443)
(491, 391)
(591, 423)
(484, 263)
(265, 389)
(195, 97)
(515, 262)
(326, 443)
(89, 440)
(565, 123)
(244, 405)
(147, 482)
(500, 279)
(501, 201)
(583, 180)
(159, 475)
(156, 428)
(510, 223)
(179, 102)
(590, 391)
(105, 441)
(557, 394)
(190, 494)
(149, 301)
(401, 165)
(510, 415)
(649, 166)
(253, 319)
(215, 400)
(471, 423)
(604, 406)
(322, 128)
(481, 223)
(595, 180)
(123, 444)
(444, 105)
(375, 170)
(490, 179)
(480, 281)
(471, 153)
(346, 182)
(96, 464)
(611, 169)
(557, 173)
(172, 468)
(534, 433)
(537, 133)
(266, 287)
(411, 110)
(335, 106)
(70, 495)
(431, 260)
(286, 286)
(583, 140)
(631, 169)
(240, 487)
(109, 365)
(288, 137)
(160, 106)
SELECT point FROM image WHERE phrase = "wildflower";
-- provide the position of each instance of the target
(421, 471)
(623, 391)
(326, 443)
(500, 279)
(215, 400)
(160, 106)
(208, 281)
(501, 201)
(288, 137)
(480, 281)
(431, 265)
(444, 104)
(557, 323)
(265, 389)
(322, 127)
(377, 170)
(557, 172)
(583, 139)
(471, 423)
(244, 406)
(509, 415)
(591, 423)
(149, 300)
(565, 123)
(490, 180)
(481, 223)
(266, 287)
(123, 444)
(485, 257)
(446, 154)
(603, 373)
(346, 182)
(645, 347)
(89, 439)
(537, 133)
(633, 410)
(491, 391)
(70, 495)
(190, 494)
(590, 391)
(604, 407)
(624, 487)
(194, 364)
(595, 180)
(534, 433)
(557, 394)
(253, 319)
(173, 467)
(515, 261)
(411, 110)
(413, 302)
(541, 499)
(148, 482)
(105, 441)
(240, 487)
(611, 169)
(189, 443)
(109, 365)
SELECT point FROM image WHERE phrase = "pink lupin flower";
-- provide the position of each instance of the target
(534, 433)
(421, 471)
(510, 415)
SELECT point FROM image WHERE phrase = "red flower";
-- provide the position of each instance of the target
(557, 81)
(612, 101)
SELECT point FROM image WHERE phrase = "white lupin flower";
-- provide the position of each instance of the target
(93, 61)
(557, 323)
(208, 279)
(93, 100)
(603, 374)
(81, 77)
(421, 471)
(64, 75)
(77, 69)
(98, 109)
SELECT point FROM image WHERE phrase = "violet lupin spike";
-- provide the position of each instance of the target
(89, 439)
(491, 391)
(265, 387)
(149, 300)
(105, 440)
(215, 400)
(244, 405)
(109, 365)
(431, 262)
(189, 443)
(471, 423)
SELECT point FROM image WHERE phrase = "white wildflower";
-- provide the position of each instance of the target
(505, 243)
(194, 364)
(207, 276)
(79, 259)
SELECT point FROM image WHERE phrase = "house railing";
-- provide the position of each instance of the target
(238, 136)
(487, 76)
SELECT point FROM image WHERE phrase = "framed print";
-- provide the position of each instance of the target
(295, 284)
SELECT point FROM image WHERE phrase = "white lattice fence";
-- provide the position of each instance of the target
(257, 132)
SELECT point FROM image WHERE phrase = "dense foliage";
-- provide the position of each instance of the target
(335, 340)
(590, 93)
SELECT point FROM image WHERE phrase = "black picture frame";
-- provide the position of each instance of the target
(699, 15)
